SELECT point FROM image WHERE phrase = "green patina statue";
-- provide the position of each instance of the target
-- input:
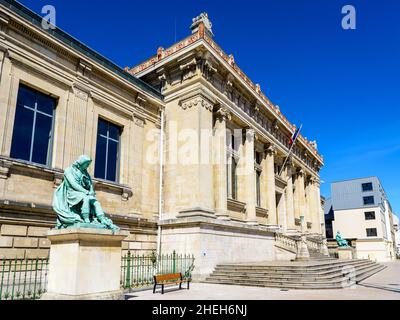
(75, 200)
(342, 243)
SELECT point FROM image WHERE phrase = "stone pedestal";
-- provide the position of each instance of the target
(345, 253)
(84, 264)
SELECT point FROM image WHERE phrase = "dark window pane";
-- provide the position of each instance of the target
(368, 200)
(370, 215)
(100, 163)
(41, 142)
(112, 160)
(45, 104)
(26, 97)
(102, 127)
(371, 232)
(22, 134)
(367, 186)
(114, 132)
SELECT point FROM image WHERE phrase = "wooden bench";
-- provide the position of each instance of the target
(173, 278)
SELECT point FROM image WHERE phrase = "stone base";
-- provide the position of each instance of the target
(214, 241)
(84, 264)
(345, 253)
(113, 295)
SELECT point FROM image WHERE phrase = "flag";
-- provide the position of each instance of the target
(295, 135)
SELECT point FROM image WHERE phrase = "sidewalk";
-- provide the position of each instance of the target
(383, 284)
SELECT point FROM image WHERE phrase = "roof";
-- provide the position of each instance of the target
(75, 44)
(201, 35)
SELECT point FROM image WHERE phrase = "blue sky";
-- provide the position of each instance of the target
(343, 85)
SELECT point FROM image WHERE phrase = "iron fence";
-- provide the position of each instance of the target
(138, 270)
(23, 279)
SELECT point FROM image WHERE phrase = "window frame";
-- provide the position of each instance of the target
(376, 232)
(36, 92)
(368, 204)
(367, 184)
(118, 156)
(369, 212)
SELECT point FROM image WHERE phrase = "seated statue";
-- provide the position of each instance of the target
(75, 200)
(342, 243)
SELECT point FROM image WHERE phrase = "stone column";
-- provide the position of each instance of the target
(289, 196)
(250, 178)
(309, 202)
(319, 214)
(220, 172)
(299, 194)
(270, 185)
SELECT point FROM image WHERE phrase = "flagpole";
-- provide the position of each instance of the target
(290, 151)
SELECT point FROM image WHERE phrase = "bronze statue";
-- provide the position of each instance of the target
(75, 200)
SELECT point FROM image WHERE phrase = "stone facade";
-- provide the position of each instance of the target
(228, 183)
(85, 90)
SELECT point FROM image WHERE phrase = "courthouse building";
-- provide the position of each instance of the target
(186, 149)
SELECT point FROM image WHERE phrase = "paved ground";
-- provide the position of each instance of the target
(382, 286)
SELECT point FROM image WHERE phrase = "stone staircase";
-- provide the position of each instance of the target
(328, 273)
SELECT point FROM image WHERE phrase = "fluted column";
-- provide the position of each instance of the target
(289, 196)
(270, 185)
(309, 203)
(318, 212)
(299, 194)
(220, 173)
(250, 178)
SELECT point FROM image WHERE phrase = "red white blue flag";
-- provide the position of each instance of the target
(295, 135)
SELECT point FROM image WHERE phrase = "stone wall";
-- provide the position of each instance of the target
(23, 232)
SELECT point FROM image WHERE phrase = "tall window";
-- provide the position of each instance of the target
(33, 126)
(107, 151)
(366, 186)
(368, 200)
(371, 232)
(231, 166)
(258, 170)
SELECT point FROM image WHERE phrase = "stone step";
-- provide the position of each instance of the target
(338, 275)
(286, 269)
(330, 277)
(288, 275)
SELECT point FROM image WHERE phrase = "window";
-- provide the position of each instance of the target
(33, 126)
(107, 151)
(367, 186)
(371, 232)
(368, 200)
(370, 215)
(258, 188)
(232, 161)
(258, 170)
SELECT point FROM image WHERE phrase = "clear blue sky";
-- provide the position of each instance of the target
(344, 86)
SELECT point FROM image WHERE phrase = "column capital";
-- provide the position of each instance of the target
(270, 149)
(222, 113)
(300, 172)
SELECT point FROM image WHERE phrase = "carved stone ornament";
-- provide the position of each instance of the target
(197, 101)
(223, 113)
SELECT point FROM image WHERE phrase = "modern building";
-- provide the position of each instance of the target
(189, 154)
(360, 210)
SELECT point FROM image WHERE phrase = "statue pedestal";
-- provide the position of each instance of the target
(345, 253)
(84, 264)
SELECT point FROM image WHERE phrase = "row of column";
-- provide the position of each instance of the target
(302, 200)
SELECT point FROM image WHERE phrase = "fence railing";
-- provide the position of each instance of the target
(138, 270)
(23, 279)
